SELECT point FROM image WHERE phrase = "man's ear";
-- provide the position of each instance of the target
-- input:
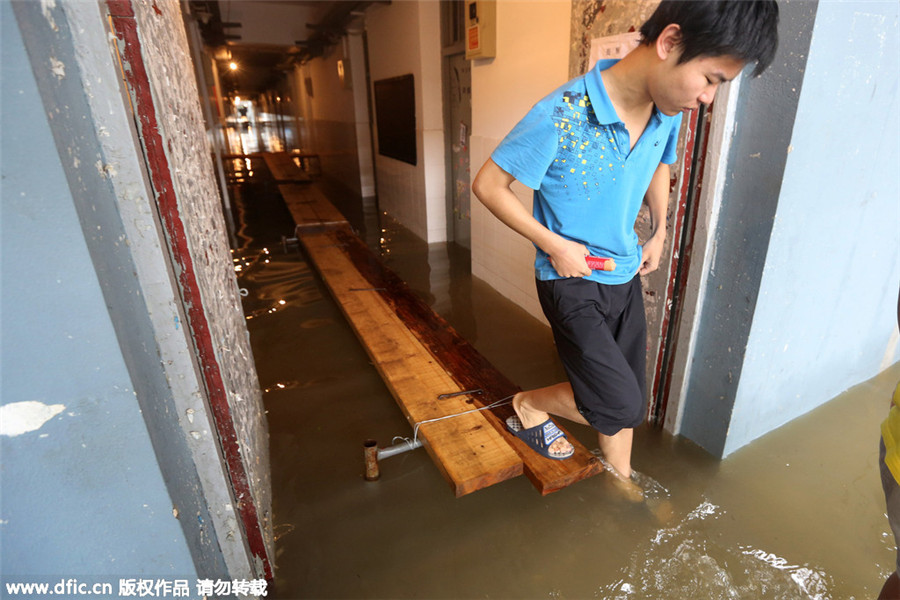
(668, 41)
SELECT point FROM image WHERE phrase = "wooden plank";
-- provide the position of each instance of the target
(467, 449)
(309, 206)
(467, 367)
(283, 167)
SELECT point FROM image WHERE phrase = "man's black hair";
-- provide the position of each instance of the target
(745, 29)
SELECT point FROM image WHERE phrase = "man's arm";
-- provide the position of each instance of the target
(491, 186)
(657, 200)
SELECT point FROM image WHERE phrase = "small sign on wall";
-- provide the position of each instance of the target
(613, 46)
(473, 41)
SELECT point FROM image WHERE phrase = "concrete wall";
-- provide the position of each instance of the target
(825, 318)
(800, 301)
(599, 18)
(404, 38)
(532, 60)
(207, 283)
(78, 465)
(157, 291)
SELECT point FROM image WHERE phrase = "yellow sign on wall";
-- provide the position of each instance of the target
(481, 29)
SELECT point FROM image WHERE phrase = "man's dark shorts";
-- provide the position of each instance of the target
(601, 336)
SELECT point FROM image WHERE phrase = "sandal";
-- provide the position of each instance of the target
(538, 438)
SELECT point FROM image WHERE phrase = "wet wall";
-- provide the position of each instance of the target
(801, 295)
(78, 465)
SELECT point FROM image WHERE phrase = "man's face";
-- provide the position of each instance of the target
(680, 87)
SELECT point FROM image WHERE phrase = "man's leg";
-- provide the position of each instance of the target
(617, 450)
(631, 338)
(535, 406)
(605, 377)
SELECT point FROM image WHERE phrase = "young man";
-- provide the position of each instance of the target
(593, 151)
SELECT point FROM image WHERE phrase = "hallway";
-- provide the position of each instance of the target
(751, 526)
(148, 396)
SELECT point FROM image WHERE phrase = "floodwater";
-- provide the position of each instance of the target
(797, 514)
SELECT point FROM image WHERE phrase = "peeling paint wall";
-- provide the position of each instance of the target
(72, 54)
(599, 18)
(167, 58)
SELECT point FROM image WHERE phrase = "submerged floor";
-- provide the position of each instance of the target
(797, 514)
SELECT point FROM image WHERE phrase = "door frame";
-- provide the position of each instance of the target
(698, 259)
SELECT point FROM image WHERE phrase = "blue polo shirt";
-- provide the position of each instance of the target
(573, 150)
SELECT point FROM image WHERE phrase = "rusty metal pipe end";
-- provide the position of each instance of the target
(370, 450)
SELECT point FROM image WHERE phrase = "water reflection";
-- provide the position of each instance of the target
(278, 282)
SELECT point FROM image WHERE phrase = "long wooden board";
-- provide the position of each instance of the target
(309, 206)
(469, 368)
(283, 167)
(468, 450)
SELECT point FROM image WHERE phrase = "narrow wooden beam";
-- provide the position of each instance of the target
(283, 167)
(309, 206)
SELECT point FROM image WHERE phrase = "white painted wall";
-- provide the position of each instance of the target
(826, 314)
(532, 60)
(404, 38)
(357, 75)
(333, 115)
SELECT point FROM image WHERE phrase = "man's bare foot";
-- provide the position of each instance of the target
(631, 490)
(531, 417)
(627, 485)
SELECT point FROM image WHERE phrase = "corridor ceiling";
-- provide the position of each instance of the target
(266, 38)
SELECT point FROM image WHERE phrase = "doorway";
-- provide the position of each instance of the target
(457, 74)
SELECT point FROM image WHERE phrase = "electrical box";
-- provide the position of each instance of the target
(481, 29)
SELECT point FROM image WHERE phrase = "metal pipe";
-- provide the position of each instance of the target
(373, 454)
(398, 449)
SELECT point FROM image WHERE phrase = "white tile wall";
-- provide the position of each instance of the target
(401, 190)
(501, 256)
(435, 198)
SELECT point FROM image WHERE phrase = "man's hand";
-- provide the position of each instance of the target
(652, 252)
(567, 257)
